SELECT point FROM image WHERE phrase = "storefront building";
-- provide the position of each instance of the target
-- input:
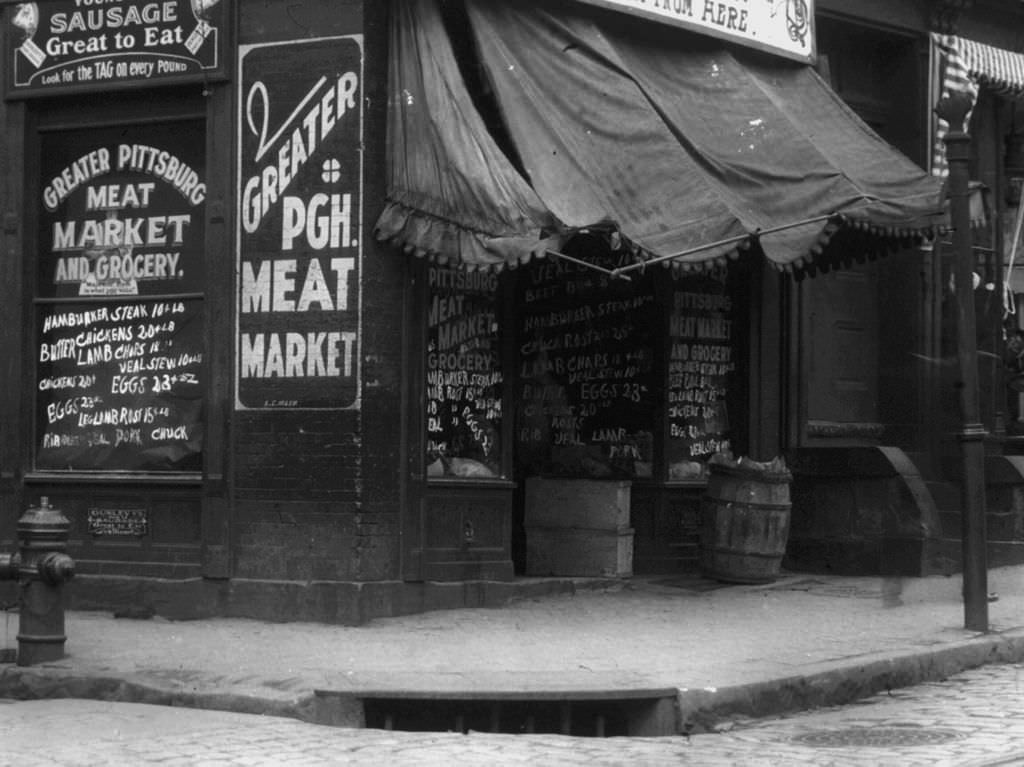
(880, 492)
(334, 310)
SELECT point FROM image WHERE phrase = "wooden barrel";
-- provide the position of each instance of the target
(744, 524)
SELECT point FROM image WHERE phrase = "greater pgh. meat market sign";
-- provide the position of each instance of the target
(62, 46)
(785, 27)
(299, 245)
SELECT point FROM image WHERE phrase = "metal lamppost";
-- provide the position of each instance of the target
(953, 110)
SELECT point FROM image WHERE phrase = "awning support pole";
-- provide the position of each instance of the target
(620, 272)
(720, 243)
(953, 110)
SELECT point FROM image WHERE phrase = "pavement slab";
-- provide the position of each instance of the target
(802, 641)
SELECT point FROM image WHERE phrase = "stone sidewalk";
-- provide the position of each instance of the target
(724, 651)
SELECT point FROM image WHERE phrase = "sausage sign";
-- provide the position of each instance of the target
(62, 46)
(299, 193)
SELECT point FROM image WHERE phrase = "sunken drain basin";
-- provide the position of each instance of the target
(591, 716)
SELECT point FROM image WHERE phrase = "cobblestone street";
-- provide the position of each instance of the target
(974, 719)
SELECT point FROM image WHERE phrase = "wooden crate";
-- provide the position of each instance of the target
(579, 552)
(595, 504)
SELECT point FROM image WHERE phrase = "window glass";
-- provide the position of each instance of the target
(588, 385)
(464, 375)
(701, 373)
(118, 309)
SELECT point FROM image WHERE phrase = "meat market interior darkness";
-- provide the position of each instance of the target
(326, 310)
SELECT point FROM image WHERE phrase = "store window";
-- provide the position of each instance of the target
(702, 390)
(118, 304)
(558, 369)
(465, 374)
(636, 378)
(588, 381)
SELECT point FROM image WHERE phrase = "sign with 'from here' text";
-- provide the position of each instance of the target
(785, 27)
(62, 46)
(300, 221)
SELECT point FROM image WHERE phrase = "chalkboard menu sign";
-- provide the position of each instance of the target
(588, 389)
(701, 364)
(119, 386)
(464, 374)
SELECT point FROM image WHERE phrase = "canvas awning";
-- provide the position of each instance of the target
(685, 148)
(452, 194)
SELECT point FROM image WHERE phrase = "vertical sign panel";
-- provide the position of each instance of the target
(300, 224)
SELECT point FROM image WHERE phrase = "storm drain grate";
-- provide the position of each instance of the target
(592, 716)
(878, 737)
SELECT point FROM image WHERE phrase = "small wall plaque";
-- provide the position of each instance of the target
(123, 522)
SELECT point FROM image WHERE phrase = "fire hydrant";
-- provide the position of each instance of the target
(42, 568)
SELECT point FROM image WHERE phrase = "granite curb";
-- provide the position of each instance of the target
(844, 681)
(699, 710)
(45, 682)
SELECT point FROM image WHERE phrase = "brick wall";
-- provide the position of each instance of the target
(316, 493)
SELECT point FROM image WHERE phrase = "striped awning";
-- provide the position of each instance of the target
(965, 66)
(995, 68)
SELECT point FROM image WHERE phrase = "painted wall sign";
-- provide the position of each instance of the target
(300, 224)
(58, 46)
(119, 328)
(785, 27)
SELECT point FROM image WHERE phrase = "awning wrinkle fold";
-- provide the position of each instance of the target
(452, 194)
(690, 150)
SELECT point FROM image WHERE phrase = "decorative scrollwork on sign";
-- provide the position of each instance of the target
(797, 20)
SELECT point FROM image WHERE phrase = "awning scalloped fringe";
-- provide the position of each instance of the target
(426, 236)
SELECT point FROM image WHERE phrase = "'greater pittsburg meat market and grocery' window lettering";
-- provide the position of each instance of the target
(119, 319)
